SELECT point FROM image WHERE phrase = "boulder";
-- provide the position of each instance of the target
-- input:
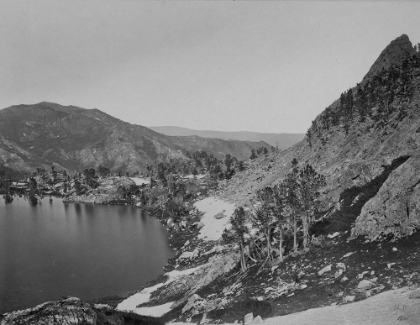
(195, 253)
(198, 224)
(220, 215)
(365, 285)
(248, 319)
(324, 270)
(258, 320)
(349, 299)
(341, 266)
(191, 302)
(338, 273)
(333, 235)
(186, 255)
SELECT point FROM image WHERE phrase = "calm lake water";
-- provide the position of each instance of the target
(84, 250)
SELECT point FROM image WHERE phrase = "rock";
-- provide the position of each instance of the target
(338, 273)
(187, 285)
(389, 265)
(198, 224)
(341, 266)
(248, 319)
(191, 302)
(324, 270)
(333, 235)
(186, 255)
(183, 224)
(195, 253)
(394, 249)
(348, 254)
(414, 295)
(344, 279)
(220, 215)
(365, 285)
(170, 222)
(361, 275)
(395, 209)
(349, 299)
(64, 311)
(210, 251)
(258, 320)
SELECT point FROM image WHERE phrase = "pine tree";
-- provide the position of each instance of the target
(309, 182)
(238, 220)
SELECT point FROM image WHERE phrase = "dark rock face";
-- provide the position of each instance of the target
(393, 54)
(74, 138)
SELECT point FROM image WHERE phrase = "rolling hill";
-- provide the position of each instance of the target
(75, 138)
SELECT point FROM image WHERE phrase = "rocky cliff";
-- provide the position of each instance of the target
(355, 143)
(74, 138)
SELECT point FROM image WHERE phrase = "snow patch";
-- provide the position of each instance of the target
(131, 303)
(213, 228)
(140, 181)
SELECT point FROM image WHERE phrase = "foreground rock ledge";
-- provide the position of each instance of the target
(72, 311)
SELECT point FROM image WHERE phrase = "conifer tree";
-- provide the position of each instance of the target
(238, 220)
(309, 182)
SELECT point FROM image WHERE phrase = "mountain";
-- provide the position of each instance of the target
(282, 140)
(366, 143)
(75, 138)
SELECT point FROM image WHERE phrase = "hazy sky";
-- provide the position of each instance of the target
(234, 66)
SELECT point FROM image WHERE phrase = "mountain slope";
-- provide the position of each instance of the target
(75, 138)
(367, 145)
(282, 140)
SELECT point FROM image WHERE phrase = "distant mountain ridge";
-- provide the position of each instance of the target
(75, 138)
(283, 140)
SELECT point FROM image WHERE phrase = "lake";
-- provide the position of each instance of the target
(88, 251)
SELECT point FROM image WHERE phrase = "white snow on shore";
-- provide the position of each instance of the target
(143, 296)
(213, 228)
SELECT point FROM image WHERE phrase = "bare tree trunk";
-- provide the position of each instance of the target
(305, 225)
(243, 262)
(295, 246)
(268, 244)
(281, 244)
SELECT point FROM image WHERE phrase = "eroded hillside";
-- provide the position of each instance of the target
(355, 142)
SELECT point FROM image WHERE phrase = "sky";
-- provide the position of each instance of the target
(263, 66)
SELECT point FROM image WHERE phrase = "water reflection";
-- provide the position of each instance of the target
(85, 250)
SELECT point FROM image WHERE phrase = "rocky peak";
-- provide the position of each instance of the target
(393, 54)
